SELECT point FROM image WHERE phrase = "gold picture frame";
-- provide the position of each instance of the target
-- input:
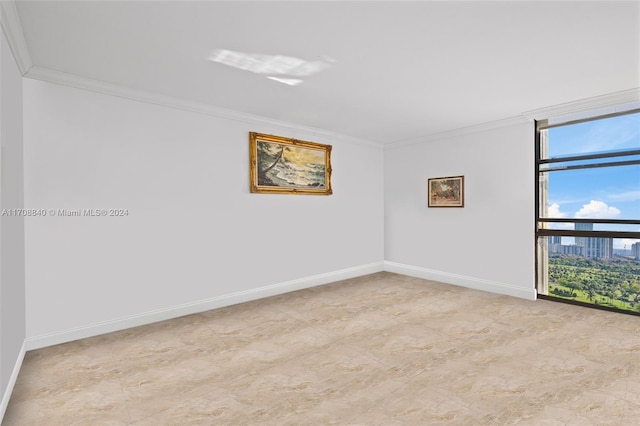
(446, 191)
(288, 166)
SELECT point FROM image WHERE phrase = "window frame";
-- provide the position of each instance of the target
(540, 231)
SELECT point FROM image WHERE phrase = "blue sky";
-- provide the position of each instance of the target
(609, 192)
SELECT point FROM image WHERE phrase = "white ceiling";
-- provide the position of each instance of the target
(397, 70)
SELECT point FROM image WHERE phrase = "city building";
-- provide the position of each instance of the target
(635, 251)
(594, 247)
(598, 248)
(581, 241)
(573, 249)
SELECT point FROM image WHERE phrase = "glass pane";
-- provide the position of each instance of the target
(612, 282)
(601, 193)
(597, 136)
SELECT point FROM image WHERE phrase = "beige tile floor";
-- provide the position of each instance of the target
(383, 349)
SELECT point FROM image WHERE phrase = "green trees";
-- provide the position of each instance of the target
(613, 282)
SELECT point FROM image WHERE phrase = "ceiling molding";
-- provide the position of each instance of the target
(13, 30)
(608, 100)
(569, 108)
(58, 77)
(491, 125)
(66, 79)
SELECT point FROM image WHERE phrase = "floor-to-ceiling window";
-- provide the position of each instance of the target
(588, 210)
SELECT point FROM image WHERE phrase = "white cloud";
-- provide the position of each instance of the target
(597, 210)
(560, 226)
(554, 211)
(626, 196)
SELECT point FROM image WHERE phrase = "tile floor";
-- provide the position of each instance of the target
(383, 349)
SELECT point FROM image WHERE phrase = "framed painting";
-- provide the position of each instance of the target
(288, 166)
(446, 191)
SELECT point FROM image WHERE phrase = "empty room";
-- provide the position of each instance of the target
(319, 212)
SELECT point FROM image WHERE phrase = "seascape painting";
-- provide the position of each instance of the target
(289, 166)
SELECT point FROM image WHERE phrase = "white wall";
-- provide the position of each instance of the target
(12, 290)
(195, 238)
(488, 244)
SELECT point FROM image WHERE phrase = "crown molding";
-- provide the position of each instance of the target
(596, 102)
(66, 79)
(58, 77)
(13, 30)
(613, 102)
(448, 134)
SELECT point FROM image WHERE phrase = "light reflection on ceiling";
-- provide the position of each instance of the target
(289, 81)
(278, 68)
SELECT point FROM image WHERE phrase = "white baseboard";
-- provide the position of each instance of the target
(6, 396)
(95, 329)
(41, 341)
(460, 280)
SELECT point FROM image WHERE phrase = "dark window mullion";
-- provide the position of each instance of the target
(591, 166)
(543, 232)
(589, 156)
(598, 221)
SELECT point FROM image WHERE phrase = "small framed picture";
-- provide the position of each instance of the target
(446, 191)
